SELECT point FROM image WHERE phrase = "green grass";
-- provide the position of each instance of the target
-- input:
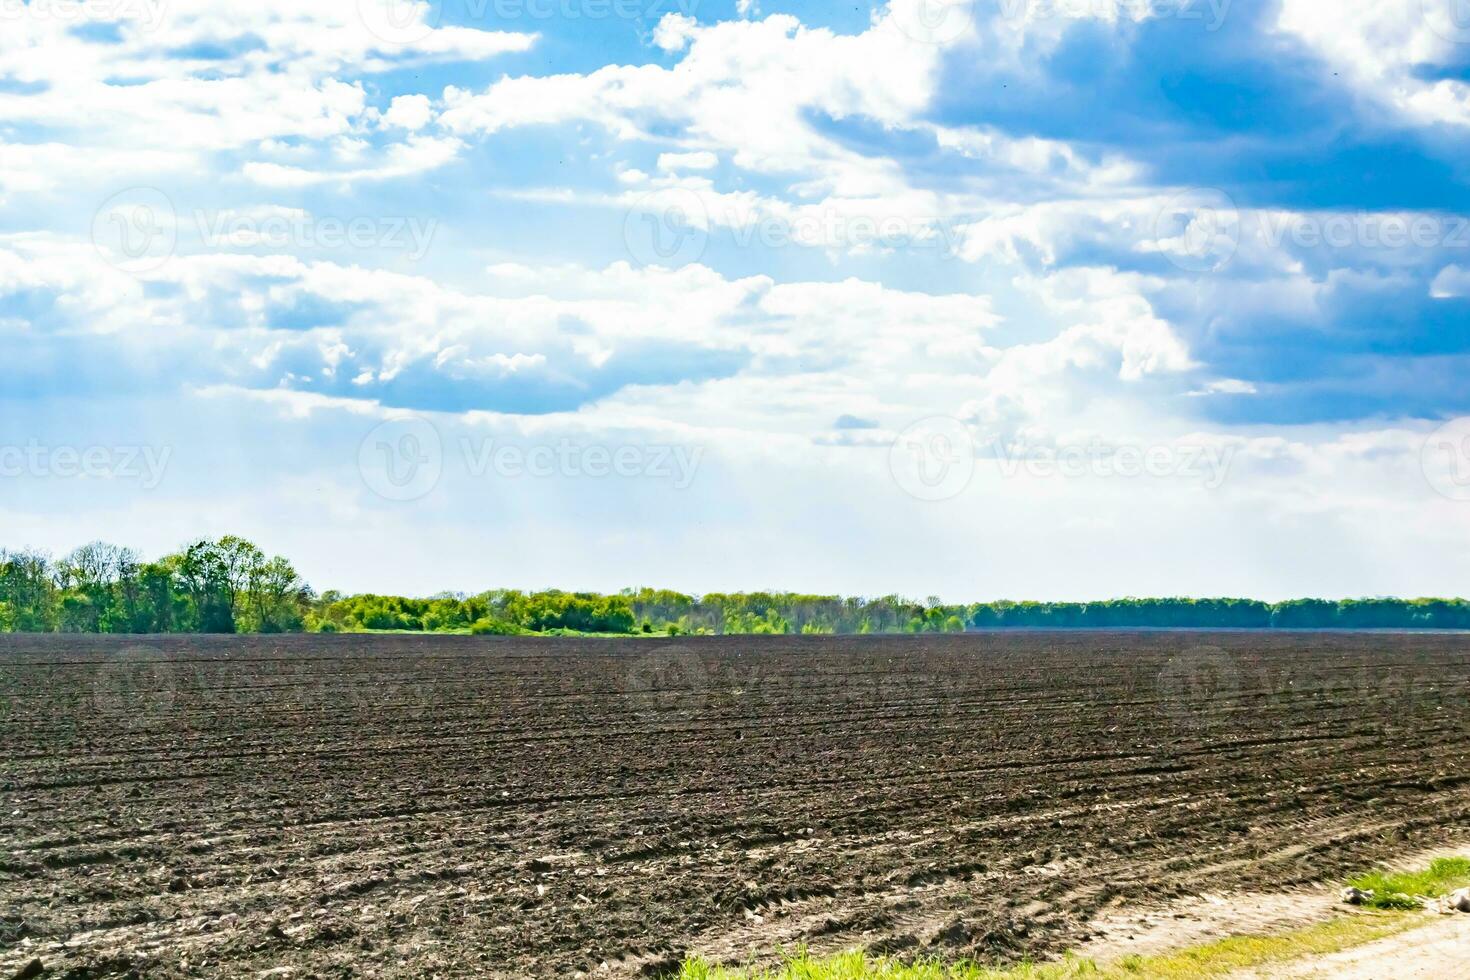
(857, 966)
(1215, 959)
(1393, 892)
(1407, 889)
(450, 631)
(466, 631)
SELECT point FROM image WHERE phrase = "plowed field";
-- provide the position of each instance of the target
(452, 806)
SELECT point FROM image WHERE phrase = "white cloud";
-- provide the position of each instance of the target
(273, 72)
(743, 88)
(37, 168)
(767, 133)
(698, 160)
(1378, 45)
(1452, 281)
(416, 155)
(411, 112)
(673, 31)
(1226, 386)
(1037, 157)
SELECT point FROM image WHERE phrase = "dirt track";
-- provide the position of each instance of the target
(406, 806)
(1433, 952)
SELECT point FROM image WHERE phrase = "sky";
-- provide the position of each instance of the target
(1053, 299)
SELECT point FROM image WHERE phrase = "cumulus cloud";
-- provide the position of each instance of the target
(1055, 224)
(209, 79)
(698, 160)
(1384, 47)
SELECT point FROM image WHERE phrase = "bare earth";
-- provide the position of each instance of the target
(1439, 948)
(1206, 918)
(403, 806)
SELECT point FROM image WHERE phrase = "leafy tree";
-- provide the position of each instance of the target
(204, 572)
(275, 597)
(229, 584)
(28, 589)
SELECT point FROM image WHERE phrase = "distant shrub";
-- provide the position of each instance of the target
(493, 627)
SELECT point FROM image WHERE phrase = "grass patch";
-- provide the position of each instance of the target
(857, 966)
(1392, 891)
(1407, 889)
(1215, 959)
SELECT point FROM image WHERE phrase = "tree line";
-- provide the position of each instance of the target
(230, 585)
(224, 586)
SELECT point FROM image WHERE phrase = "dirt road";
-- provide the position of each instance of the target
(1438, 951)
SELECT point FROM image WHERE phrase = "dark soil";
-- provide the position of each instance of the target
(400, 806)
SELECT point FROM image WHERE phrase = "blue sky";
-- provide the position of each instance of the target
(1001, 298)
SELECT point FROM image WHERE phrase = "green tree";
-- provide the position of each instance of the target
(275, 597)
(216, 575)
(28, 589)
